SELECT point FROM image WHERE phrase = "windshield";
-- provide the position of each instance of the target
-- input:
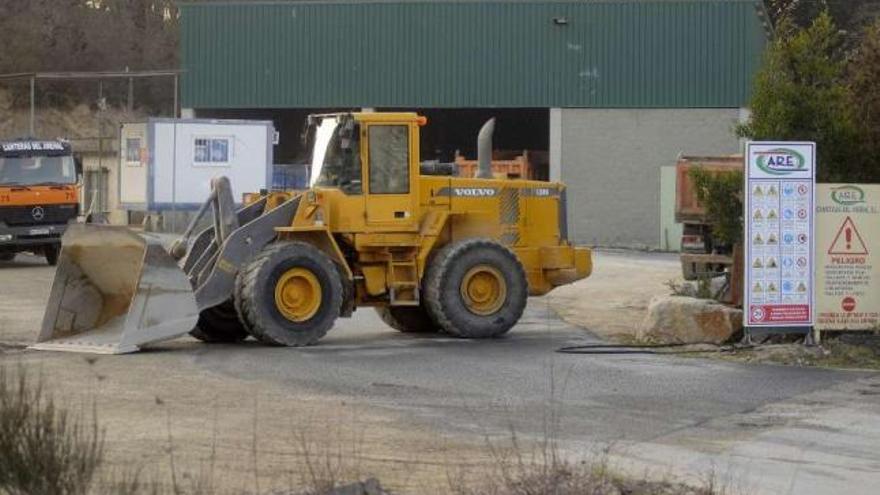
(336, 160)
(37, 170)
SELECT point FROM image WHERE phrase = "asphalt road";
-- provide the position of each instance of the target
(456, 385)
(657, 405)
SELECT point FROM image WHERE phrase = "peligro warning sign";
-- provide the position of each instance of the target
(848, 240)
(848, 237)
(779, 232)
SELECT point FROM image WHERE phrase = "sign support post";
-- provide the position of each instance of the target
(779, 240)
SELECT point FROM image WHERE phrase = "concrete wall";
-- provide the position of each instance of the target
(670, 230)
(611, 159)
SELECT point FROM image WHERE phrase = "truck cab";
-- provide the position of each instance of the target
(39, 196)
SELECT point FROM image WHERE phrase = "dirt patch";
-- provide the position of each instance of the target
(171, 420)
(26, 282)
(613, 301)
(836, 351)
(188, 431)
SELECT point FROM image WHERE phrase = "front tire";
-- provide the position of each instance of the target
(290, 294)
(476, 289)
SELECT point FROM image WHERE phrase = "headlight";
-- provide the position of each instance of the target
(6, 237)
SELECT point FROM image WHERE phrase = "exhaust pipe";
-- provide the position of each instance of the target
(484, 150)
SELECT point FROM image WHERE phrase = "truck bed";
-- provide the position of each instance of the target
(687, 208)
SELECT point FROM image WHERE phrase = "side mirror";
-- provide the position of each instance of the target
(78, 166)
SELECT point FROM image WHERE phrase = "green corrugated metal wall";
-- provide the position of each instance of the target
(611, 54)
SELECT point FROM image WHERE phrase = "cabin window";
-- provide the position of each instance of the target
(389, 159)
(336, 160)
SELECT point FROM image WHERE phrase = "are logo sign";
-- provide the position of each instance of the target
(781, 161)
(848, 195)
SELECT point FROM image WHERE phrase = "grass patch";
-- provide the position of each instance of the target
(515, 475)
(45, 449)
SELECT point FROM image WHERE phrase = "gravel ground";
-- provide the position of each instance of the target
(410, 409)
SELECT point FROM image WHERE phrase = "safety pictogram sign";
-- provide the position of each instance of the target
(848, 265)
(848, 240)
(779, 207)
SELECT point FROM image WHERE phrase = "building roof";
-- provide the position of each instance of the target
(460, 54)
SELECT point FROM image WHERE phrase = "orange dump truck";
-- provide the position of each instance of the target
(700, 253)
(39, 196)
(530, 165)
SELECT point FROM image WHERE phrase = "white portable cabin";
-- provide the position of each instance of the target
(168, 164)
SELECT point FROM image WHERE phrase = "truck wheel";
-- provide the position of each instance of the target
(407, 319)
(475, 289)
(219, 324)
(289, 295)
(7, 256)
(51, 254)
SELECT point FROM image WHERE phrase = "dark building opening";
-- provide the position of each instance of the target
(518, 132)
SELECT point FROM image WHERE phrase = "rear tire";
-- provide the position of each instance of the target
(407, 319)
(51, 254)
(219, 324)
(290, 294)
(476, 289)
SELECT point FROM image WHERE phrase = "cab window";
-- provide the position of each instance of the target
(37, 170)
(336, 161)
(389, 159)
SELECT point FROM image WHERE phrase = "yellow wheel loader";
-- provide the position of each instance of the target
(432, 253)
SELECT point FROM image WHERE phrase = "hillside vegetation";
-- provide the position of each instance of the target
(74, 121)
(88, 35)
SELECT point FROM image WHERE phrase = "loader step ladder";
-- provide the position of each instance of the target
(403, 282)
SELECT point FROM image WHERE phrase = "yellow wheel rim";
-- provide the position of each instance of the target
(483, 290)
(298, 294)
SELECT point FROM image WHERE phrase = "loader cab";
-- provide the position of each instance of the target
(373, 156)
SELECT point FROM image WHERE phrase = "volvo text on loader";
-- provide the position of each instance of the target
(432, 253)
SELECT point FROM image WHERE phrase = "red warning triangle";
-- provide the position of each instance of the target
(848, 240)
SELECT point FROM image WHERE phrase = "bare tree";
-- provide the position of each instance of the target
(88, 35)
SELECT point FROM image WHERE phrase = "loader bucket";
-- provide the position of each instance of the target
(114, 291)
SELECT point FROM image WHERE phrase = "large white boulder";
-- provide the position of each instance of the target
(687, 320)
(715, 286)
